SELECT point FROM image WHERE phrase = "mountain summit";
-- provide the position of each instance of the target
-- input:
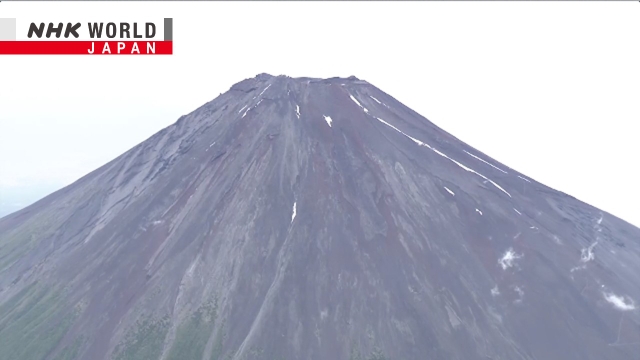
(314, 219)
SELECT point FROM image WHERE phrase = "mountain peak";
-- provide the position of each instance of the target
(264, 76)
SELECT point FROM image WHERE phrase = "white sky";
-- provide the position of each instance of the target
(550, 89)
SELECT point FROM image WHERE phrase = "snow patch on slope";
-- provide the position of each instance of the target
(576, 268)
(449, 191)
(525, 179)
(298, 111)
(486, 162)
(400, 131)
(358, 103)
(471, 170)
(619, 302)
(520, 292)
(479, 212)
(586, 254)
(516, 210)
(293, 215)
(421, 143)
(265, 89)
(254, 106)
(379, 102)
(242, 109)
(328, 120)
(192, 268)
(508, 259)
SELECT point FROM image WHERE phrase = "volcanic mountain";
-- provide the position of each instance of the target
(319, 219)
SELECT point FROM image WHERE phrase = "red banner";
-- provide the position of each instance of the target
(86, 47)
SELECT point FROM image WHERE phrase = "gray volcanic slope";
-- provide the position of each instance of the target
(314, 219)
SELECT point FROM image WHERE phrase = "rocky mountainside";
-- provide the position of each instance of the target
(314, 219)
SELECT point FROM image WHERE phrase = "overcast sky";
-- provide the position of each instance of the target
(549, 89)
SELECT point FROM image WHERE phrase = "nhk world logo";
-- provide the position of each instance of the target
(86, 38)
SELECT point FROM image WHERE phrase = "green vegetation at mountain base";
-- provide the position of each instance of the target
(145, 341)
(15, 244)
(216, 354)
(192, 336)
(32, 323)
(70, 352)
(376, 354)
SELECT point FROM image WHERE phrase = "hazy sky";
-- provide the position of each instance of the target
(549, 89)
